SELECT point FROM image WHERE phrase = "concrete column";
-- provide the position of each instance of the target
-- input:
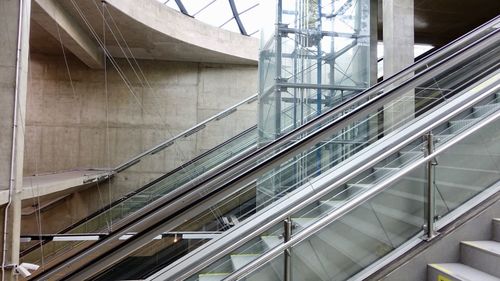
(398, 36)
(13, 83)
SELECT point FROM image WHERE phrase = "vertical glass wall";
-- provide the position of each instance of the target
(314, 55)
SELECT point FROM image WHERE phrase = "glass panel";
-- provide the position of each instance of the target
(194, 6)
(320, 45)
(171, 4)
(473, 164)
(216, 14)
(252, 17)
(272, 270)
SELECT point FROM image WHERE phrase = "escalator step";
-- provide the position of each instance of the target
(458, 125)
(212, 276)
(481, 110)
(241, 260)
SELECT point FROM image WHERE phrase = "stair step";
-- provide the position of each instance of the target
(496, 229)
(241, 260)
(443, 137)
(458, 125)
(347, 245)
(212, 276)
(413, 197)
(409, 156)
(456, 272)
(369, 229)
(271, 241)
(303, 222)
(482, 255)
(399, 215)
(481, 110)
(447, 184)
(329, 205)
(382, 172)
(315, 261)
(355, 188)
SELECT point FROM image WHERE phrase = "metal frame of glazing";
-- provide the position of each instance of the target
(234, 10)
(316, 56)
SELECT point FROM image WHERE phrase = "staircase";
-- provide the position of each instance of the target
(479, 261)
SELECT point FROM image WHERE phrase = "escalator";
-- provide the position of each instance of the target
(440, 78)
(380, 205)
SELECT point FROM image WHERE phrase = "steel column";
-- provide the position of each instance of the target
(287, 257)
(431, 191)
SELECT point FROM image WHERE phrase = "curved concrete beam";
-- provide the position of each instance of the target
(58, 22)
(214, 44)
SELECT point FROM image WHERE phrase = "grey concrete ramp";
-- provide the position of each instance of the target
(62, 182)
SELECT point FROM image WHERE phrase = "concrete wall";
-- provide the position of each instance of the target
(72, 125)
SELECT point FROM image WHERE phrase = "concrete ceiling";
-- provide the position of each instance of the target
(437, 22)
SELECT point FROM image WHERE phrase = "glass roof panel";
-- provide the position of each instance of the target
(232, 26)
(243, 5)
(194, 7)
(171, 4)
(218, 13)
(252, 21)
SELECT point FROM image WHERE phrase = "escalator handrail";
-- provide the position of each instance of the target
(373, 191)
(148, 215)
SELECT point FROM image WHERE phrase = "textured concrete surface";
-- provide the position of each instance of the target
(151, 30)
(398, 53)
(13, 60)
(60, 24)
(45, 184)
(76, 125)
(61, 183)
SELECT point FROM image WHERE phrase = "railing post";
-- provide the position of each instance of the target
(430, 200)
(287, 266)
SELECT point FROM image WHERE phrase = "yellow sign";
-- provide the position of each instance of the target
(442, 278)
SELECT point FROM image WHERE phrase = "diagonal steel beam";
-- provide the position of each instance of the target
(181, 7)
(237, 17)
